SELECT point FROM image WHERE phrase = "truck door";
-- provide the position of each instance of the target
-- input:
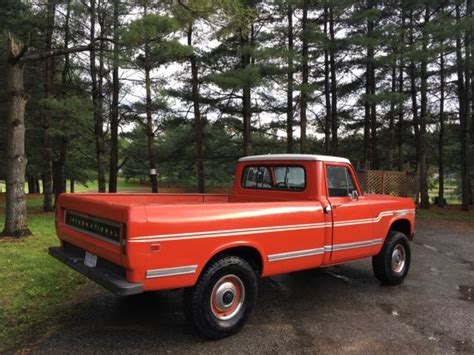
(351, 216)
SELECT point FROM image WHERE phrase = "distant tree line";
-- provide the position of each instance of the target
(86, 90)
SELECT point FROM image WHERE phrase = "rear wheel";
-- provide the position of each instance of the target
(223, 298)
(391, 265)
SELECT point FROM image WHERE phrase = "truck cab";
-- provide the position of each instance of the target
(285, 212)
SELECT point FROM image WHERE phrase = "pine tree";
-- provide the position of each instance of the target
(148, 34)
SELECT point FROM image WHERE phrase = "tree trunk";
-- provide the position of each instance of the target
(334, 120)
(373, 125)
(421, 157)
(441, 138)
(368, 91)
(198, 124)
(15, 203)
(48, 93)
(97, 103)
(149, 125)
(71, 186)
(246, 97)
(327, 92)
(401, 92)
(114, 114)
(413, 92)
(34, 182)
(366, 150)
(304, 74)
(373, 155)
(392, 117)
(37, 185)
(31, 185)
(465, 118)
(100, 121)
(471, 75)
(59, 173)
(57, 180)
(462, 105)
(289, 92)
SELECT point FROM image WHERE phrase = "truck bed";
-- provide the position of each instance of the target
(178, 227)
(142, 199)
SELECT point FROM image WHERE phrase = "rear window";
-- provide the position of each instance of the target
(283, 178)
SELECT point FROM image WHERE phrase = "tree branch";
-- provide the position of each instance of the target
(123, 163)
(25, 57)
(52, 53)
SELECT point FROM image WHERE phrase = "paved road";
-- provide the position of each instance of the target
(334, 310)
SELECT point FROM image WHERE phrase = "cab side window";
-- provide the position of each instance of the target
(340, 183)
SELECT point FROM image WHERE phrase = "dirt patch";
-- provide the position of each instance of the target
(13, 239)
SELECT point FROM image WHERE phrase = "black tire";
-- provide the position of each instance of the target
(204, 314)
(384, 270)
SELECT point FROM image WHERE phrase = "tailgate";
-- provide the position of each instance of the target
(92, 224)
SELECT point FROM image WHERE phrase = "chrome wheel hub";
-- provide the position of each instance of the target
(227, 297)
(398, 258)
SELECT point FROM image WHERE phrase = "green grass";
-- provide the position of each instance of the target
(447, 213)
(34, 203)
(450, 188)
(92, 186)
(125, 186)
(122, 185)
(35, 289)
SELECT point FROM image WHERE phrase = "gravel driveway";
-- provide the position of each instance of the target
(333, 310)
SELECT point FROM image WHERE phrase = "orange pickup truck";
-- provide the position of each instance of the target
(285, 213)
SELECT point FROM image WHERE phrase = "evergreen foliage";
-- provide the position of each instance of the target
(203, 82)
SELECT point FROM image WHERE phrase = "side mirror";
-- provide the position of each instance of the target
(355, 195)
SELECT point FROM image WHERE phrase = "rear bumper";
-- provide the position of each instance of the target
(100, 274)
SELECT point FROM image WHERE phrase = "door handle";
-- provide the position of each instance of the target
(327, 209)
(337, 205)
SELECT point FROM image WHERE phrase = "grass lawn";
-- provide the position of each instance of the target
(37, 291)
(449, 193)
(447, 213)
(122, 185)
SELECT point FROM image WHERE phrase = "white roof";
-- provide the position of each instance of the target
(312, 157)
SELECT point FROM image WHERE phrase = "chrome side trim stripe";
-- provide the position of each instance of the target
(191, 269)
(363, 244)
(261, 230)
(404, 212)
(325, 249)
(229, 233)
(240, 230)
(295, 254)
(173, 271)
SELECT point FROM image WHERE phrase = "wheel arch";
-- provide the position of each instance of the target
(402, 225)
(250, 252)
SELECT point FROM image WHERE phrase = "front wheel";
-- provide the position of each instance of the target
(223, 298)
(391, 265)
